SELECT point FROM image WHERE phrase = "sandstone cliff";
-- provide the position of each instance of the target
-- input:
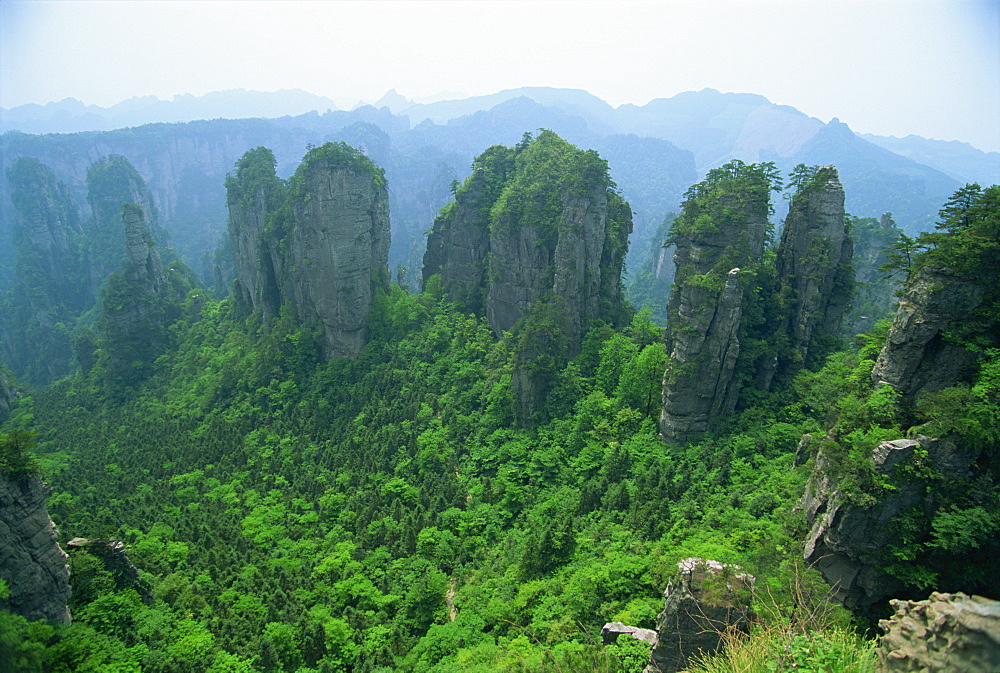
(922, 511)
(734, 320)
(721, 230)
(138, 305)
(533, 223)
(814, 263)
(917, 355)
(31, 561)
(318, 245)
(111, 182)
(50, 281)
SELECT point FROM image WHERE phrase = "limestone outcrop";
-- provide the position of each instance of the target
(814, 263)
(31, 561)
(533, 223)
(703, 600)
(947, 633)
(319, 245)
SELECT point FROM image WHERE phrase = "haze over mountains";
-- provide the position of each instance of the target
(654, 151)
(757, 123)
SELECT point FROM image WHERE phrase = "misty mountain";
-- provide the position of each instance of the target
(654, 152)
(956, 159)
(72, 116)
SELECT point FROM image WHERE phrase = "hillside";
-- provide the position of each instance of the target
(485, 478)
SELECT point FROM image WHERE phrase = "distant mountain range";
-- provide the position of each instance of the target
(713, 125)
(654, 152)
(72, 116)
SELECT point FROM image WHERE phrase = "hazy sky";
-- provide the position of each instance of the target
(892, 67)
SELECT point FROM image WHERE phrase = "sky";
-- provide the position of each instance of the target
(890, 67)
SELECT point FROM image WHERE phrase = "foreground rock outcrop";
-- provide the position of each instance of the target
(31, 561)
(948, 633)
(703, 600)
(318, 245)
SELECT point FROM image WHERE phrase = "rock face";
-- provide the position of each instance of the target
(948, 633)
(31, 561)
(916, 356)
(722, 229)
(611, 631)
(112, 182)
(319, 246)
(847, 541)
(50, 283)
(724, 295)
(138, 304)
(48, 220)
(534, 222)
(8, 393)
(814, 262)
(703, 600)
(116, 561)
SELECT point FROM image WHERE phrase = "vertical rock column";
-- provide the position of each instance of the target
(814, 262)
(31, 561)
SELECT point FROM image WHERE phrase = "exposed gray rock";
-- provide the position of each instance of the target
(847, 541)
(948, 633)
(116, 561)
(112, 182)
(612, 630)
(704, 600)
(721, 230)
(31, 561)
(340, 241)
(916, 356)
(698, 384)
(814, 260)
(8, 393)
(321, 247)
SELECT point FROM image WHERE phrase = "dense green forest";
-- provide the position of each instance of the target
(388, 512)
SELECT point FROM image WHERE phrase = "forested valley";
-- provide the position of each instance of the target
(319, 465)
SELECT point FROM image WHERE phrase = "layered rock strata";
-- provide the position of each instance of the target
(31, 561)
(318, 245)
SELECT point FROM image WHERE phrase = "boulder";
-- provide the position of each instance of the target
(612, 630)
